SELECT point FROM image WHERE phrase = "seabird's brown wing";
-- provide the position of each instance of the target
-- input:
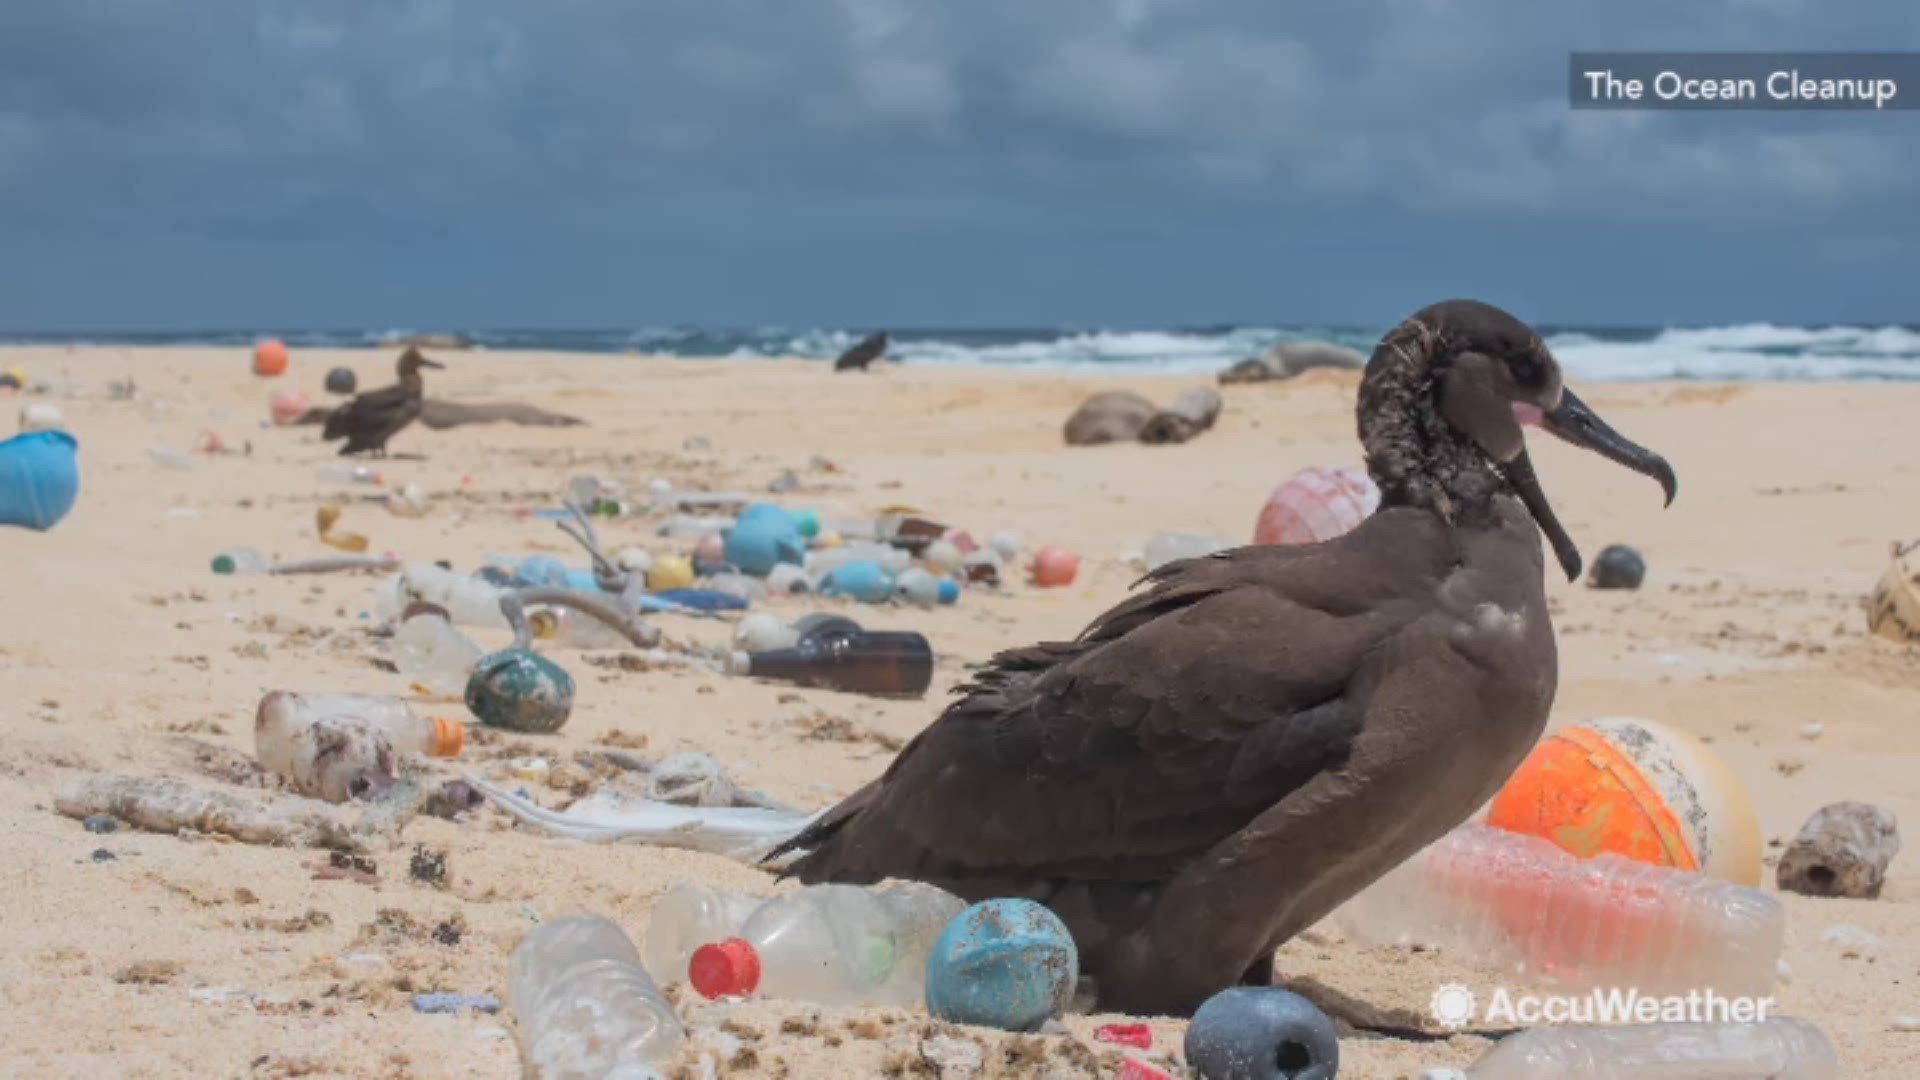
(371, 412)
(1176, 717)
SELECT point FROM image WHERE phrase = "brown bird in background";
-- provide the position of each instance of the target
(370, 419)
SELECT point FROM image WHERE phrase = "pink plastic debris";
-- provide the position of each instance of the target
(1139, 1036)
(1316, 504)
(1135, 1069)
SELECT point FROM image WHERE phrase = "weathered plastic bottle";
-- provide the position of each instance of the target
(690, 527)
(565, 628)
(1520, 903)
(348, 474)
(833, 945)
(341, 746)
(891, 559)
(690, 916)
(1782, 1048)
(430, 653)
(239, 561)
(585, 1007)
(882, 662)
(469, 601)
(1163, 548)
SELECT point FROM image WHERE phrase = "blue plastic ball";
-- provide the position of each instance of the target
(863, 579)
(1262, 1033)
(1007, 964)
(755, 546)
(39, 479)
(807, 522)
(767, 513)
(949, 592)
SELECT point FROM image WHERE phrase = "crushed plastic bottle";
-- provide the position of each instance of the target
(469, 601)
(430, 653)
(1520, 903)
(1780, 1048)
(239, 561)
(584, 1006)
(833, 945)
(1163, 548)
(891, 559)
(342, 746)
(565, 628)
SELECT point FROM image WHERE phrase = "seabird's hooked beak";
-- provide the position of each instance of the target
(434, 364)
(1573, 422)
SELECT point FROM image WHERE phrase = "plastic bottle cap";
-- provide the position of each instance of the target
(728, 969)
(739, 663)
(448, 737)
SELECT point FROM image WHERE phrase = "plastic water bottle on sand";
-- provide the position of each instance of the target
(565, 628)
(832, 945)
(690, 916)
(1781, 1048)
(341, 746)
(584, 1005)
(239, 561)
(1521, 904)
(430, 653)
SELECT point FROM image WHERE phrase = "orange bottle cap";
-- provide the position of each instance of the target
(449, 737)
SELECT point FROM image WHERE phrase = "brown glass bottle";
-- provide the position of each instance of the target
(885, 663)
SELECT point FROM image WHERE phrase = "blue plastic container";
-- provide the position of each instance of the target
(542, 572)
(39, 479)
(758, 543)
(949, 592)
(1007, 964)
(864, 580)
(703, 599)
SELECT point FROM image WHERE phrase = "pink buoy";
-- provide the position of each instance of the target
(287, 406)
(1054, 566)
(1316, 504)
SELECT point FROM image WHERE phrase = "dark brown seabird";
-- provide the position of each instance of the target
(1224, 758)
(865, 352)
(370, 419)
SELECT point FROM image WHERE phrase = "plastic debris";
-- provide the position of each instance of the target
(1262, 1033)
(434, 1004)
(1007, 964)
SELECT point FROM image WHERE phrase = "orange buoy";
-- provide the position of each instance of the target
(269, 358)
(1635, 789)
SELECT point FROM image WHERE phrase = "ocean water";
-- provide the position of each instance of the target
(1758, 351)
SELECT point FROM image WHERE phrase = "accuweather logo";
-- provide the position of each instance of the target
(1455, 1006)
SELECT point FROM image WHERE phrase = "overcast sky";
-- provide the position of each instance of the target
(613, 163)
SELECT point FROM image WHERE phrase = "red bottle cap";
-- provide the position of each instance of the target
(728, 969)
(1136, 1035)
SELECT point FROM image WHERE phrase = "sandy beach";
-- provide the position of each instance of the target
(124, 653)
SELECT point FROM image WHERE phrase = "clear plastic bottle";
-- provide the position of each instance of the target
(1521, 904)
(565, 628)
(826, 560)
(1781, 1048)
(1163, 548)
(239, 561)
(690, 916)
(469, 601)
(690, 527)
(832, 945)
(585, 1007)
(338, 473)
(887, 663)
(430, 653)
(341, 746)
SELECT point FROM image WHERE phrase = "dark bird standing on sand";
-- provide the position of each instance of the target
(1221, 760)
(871, 348)
(369, 420)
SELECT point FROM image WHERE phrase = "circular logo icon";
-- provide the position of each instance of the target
(1453, 1006)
